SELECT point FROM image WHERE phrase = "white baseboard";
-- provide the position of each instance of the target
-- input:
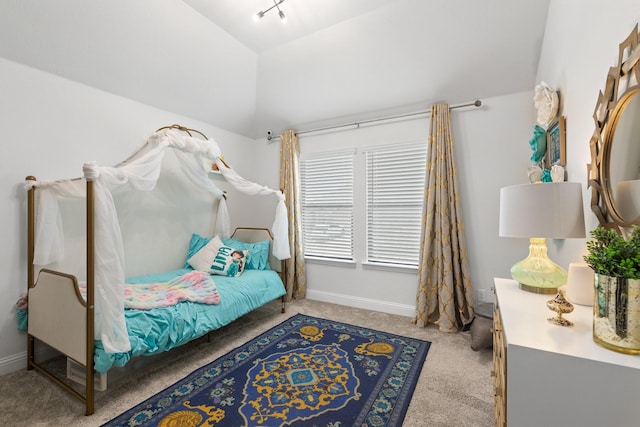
(13, 363)
(18, 361)
(359, 302)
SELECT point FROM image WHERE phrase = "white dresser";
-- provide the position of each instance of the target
(548, 375)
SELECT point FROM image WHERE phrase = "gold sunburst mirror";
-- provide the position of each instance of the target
(614, 171)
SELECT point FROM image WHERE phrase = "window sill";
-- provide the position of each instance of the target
(332, 262)
(408, 269)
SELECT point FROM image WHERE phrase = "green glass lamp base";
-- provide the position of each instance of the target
(537, 273)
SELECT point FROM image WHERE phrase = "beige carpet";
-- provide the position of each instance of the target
(455, 386)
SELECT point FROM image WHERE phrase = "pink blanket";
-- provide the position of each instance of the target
(195, 286)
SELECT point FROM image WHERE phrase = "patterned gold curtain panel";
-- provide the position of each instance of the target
(444, 293)
(295, 279)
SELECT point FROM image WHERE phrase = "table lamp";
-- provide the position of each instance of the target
(538, 212)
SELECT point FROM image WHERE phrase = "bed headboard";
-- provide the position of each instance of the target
(255, 235)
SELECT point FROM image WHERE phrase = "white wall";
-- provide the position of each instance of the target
(160, 53)
(399, 55)
(581, 43)
(50, 127)
(492, 151)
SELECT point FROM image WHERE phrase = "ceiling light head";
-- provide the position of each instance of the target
(276, 5)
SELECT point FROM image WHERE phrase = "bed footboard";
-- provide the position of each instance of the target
(58, 317)
(57, 314)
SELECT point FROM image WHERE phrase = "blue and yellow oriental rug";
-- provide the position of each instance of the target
(304, 372)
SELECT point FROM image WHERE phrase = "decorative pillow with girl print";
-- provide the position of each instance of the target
(216, 258)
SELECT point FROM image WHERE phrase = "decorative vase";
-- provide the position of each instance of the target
(616, 313)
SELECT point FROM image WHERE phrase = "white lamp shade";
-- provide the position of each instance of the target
(544, 210)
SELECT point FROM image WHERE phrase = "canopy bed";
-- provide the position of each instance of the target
(149, 285)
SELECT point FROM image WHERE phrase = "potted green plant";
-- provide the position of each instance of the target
(612, 255)
(615, 261)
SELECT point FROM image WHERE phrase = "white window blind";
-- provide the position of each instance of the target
(327, 205)
(395, 193)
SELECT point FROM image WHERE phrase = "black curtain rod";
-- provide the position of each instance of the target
(476, 103)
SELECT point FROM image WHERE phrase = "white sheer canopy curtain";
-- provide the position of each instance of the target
(444, 294)
(140, 171)
(295, 278)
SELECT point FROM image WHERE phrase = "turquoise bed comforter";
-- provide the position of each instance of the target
(161, 329)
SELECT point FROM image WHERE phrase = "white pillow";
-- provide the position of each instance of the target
(216, 258)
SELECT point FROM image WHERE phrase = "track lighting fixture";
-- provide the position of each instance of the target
(276, 4)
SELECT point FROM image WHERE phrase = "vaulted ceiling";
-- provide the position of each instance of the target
(304, 17)
(333, 60)
(353, 59)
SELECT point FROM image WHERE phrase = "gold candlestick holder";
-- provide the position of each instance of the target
(561, 306)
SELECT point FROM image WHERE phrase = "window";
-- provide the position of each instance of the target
(395, 192)
(327, 205)
(364, 208)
